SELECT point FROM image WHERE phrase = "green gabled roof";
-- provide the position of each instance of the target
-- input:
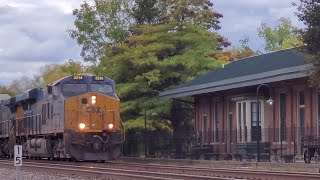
(274, 64)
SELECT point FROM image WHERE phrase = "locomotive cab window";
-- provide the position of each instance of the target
(74, 89)
(103, 88)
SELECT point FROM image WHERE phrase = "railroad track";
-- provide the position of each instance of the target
(105, 173)
(180, 172)
(223, 172)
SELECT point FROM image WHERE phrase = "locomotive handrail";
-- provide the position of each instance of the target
(123, 129)
(29, 116)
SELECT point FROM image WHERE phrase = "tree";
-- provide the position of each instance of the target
(24, 83)
(283, 36)
(75, 67)
(100, 25)
(159, 50)
(48, 74)
(107, 23)
(147, 11)
(309, 14)
(5, 90)
(196, 12)
(159, 56)
(243, 51)
(53, 72)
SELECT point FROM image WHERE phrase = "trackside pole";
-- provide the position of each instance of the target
(18, 174)
(18, 160)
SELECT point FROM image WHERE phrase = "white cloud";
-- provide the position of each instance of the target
(33, 33)
(66, 6)
(242, 18)
(257, 4)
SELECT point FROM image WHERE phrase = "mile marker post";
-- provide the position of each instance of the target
(18, 160)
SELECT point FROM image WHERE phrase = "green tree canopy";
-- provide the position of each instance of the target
(99, 25)
(107, 23)
(283, 36)
(157, 57)
(158, 53)
(309, 14)
(147, 11)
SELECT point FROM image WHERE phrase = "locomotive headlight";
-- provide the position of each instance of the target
(82, 125)
(93, 99)
(110, 126)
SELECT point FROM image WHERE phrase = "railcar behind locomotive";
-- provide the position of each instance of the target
(76, 117)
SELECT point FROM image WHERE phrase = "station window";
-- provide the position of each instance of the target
(255, 132)
(301, 119)
(244, 116)
(301, 112)
(230, 119)
(242, 122)
(239, 123)
(217, 122)
(318, 102)
(204, 126)
(282, 116)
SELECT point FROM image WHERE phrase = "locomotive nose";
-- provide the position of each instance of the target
(93, 112)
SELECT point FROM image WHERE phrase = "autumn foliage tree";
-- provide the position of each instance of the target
(159, 56)
(158, 51)
(243, 51)
(309, 13)
(283, 36)
(48, 74)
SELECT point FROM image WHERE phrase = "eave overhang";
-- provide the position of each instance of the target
(243, 81)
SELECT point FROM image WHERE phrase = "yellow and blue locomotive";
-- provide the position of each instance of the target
(76, 117)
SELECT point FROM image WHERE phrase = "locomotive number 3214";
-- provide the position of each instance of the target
(77, 77)
(98, 78)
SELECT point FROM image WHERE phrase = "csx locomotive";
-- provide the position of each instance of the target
(76, 117)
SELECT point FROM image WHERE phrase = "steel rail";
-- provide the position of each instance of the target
(224, 172)
(108, 172)
(199, 171)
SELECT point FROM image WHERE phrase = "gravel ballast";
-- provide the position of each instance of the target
(10, 174)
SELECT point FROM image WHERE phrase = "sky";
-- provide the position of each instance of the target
(33, 33)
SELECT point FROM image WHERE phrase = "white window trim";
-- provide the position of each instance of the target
(248, 119)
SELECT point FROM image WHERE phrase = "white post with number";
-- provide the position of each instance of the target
(18, 160)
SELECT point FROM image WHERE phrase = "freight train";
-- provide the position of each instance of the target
(76, 117)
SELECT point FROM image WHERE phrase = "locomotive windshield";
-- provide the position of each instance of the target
(103, 88)
(74, 89)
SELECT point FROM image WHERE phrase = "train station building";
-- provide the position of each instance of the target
(260, 106)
